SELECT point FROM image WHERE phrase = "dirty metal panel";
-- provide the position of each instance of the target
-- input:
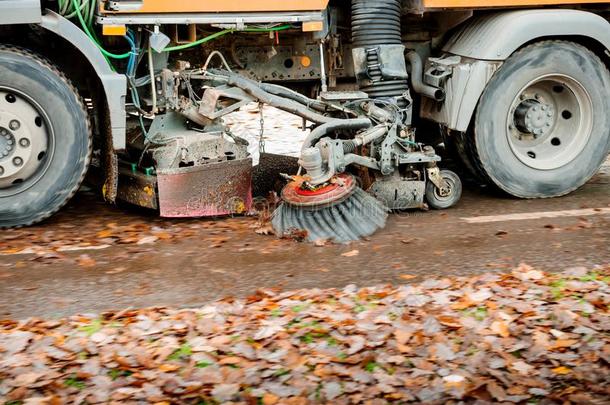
(211, 189)
(137, 188)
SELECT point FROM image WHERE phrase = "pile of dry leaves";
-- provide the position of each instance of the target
(525, 337)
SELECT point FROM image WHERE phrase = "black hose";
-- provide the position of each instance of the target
(416, 74)
(377, 23)
(280, 102)
(335, 125)
(293, 95)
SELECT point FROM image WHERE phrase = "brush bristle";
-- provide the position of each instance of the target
(358, 216)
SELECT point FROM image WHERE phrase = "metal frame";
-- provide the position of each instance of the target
(20, 12)
(115, 84)
(235, 19)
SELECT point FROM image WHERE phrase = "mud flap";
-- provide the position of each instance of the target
(211, 189)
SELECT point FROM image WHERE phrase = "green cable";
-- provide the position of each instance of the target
(198, 42)
(221, 33)
(88, 32)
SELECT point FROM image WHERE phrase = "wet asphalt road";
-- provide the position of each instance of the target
(211, 264)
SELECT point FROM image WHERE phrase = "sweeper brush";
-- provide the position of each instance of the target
(338, 211)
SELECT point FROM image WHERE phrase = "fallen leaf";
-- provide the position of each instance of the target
(85, 260)
(168, 367)
(562, 370)
(500, 328)
(351, 253)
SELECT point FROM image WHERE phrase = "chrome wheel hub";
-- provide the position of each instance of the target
(549, 122)
(24, 142)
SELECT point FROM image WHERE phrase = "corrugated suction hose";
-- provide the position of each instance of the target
(375, 24)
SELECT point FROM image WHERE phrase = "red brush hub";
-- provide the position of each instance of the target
(339, 188)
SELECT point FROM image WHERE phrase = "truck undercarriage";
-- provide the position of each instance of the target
(374, 81)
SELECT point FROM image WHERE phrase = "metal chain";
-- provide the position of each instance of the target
(261, 138)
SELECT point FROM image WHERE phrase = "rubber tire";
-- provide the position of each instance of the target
(456, 192)
(42, 81)
(489, 149)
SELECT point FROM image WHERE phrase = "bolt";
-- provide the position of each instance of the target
(529, 115)
(14, 125)
(5, 154)
(9, 142)
(17, 161)
(550, 114)
(24, 142)
(544, 108)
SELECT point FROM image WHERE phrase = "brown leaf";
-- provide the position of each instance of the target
(270, 399)
(85, 260)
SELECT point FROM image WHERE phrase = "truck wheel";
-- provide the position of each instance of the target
(542, 127)
(45, 138)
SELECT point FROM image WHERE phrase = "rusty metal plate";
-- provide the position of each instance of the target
(212, 189)
(137, 188)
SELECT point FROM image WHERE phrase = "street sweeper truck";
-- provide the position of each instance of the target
(134, 93)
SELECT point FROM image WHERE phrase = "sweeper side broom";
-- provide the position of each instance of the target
(369, 130)
(327, 202)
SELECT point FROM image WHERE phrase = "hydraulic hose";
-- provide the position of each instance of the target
(293, 95)
(76, 6)
(416, 75)
(282, 103)
(334, 125)
(224, 32)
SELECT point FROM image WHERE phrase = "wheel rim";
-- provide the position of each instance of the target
(26, 142)
(550, 122)
(446, 193)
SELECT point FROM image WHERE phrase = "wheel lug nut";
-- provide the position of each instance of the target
(10, 142)
(24, 142)
(14, 125)
(17, 161)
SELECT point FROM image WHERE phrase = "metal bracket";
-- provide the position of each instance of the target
(434, 175)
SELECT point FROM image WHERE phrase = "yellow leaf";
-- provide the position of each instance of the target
(563, 370)
(168, 367)
(500, 328)
(106, 233)
(407, 276)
